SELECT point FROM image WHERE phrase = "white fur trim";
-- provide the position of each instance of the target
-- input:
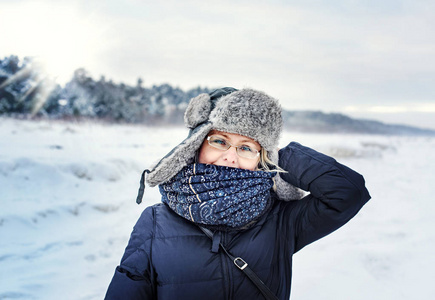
(197, 111)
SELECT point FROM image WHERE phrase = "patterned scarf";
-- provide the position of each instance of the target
(219, 197)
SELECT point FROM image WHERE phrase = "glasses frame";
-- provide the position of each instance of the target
(231, 145)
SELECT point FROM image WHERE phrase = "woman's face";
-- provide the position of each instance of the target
(229, 158)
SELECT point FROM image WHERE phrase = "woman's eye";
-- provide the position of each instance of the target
(220, 142)
(245, 148)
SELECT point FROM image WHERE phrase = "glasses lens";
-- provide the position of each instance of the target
(218, 142)
(222, 144)
(246, 151)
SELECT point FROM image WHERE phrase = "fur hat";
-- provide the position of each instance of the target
(246, 112)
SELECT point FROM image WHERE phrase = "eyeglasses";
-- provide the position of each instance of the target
(242, 150)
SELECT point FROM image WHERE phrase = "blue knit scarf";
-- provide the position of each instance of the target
(217, 196)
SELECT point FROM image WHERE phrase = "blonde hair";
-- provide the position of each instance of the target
(266, 165)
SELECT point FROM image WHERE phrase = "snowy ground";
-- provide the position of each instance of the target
(67, 194)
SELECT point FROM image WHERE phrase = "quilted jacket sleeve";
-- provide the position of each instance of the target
(133, 278)
(337, 193)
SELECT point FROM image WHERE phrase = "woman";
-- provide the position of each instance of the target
(228, 192)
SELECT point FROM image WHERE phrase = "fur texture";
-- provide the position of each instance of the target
(246, 112)
(197, 111)
(249, 113)
(181, 156)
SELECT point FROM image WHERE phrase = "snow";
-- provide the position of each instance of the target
(68, 191)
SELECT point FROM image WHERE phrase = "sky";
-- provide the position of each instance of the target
(367, 59)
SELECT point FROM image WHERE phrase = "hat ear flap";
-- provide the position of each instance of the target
(197, 111)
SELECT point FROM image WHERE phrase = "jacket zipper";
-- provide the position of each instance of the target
(226, 270)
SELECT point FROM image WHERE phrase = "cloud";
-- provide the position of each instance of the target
(310, 54)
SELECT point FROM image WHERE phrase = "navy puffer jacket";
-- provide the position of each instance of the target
(168, 257)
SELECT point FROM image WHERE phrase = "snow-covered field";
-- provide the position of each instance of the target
(67, 194)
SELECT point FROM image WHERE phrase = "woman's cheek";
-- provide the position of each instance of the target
(206, 155)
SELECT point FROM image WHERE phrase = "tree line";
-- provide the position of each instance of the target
(26, 91)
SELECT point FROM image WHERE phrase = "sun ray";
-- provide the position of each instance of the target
(17, 76)
(44, 93)
(42, 85)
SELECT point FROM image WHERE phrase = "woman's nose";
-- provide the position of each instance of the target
(231, 155)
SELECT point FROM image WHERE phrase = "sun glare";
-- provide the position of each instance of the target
(55, 35)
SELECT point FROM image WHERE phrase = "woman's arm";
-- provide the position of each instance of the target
(337, 193)
(133, 278)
